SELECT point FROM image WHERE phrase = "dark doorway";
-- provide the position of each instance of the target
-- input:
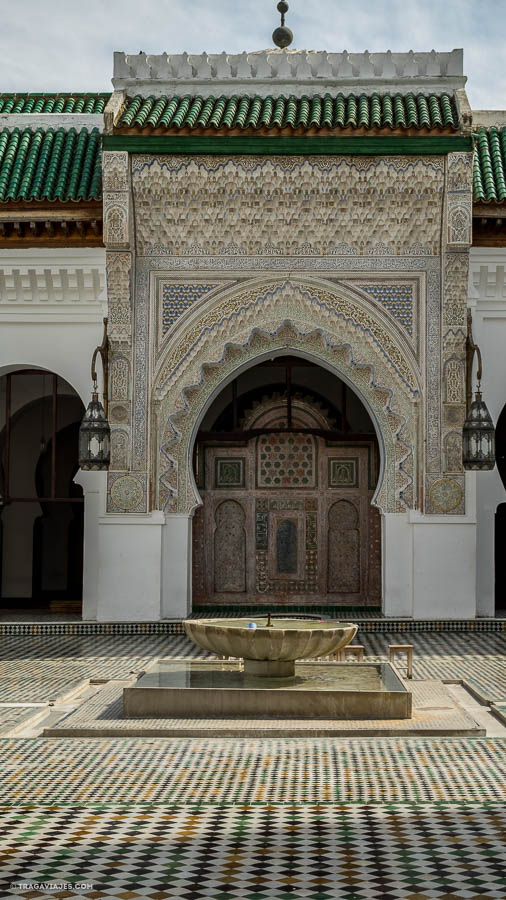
(500, 558)
(41, 540)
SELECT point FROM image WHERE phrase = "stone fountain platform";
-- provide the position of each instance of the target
(434, 714)
(219, 689)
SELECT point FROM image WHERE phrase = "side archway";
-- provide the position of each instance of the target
(41, 549)
(336, 331)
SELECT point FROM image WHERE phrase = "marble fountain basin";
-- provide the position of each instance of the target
(271, 647)
(269, 684)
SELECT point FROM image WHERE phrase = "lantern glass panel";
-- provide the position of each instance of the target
(94, 437)
(478, 443)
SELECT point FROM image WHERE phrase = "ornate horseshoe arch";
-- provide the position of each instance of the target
(332, 329)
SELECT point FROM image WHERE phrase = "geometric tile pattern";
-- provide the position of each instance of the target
(186, 818)
(371, 620)
(318, 852)
(178, 297)
(478, 659)
(434, 713)
(37, 668)
(13, 716)
(286, 461)
(250, 771)
(396, 298)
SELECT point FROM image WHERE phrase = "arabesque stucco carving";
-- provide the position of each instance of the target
(328, 327)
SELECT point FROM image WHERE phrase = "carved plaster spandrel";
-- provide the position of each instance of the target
(452, 452)
(116, 220)
(120, 441)
(116, 211)
(126, 493)
(459, 221)
(460, 171)
(459, 199)
(454, 380)
(119, 368)
(115, 170)
(119, 294)
(445, 495)
(455, 289)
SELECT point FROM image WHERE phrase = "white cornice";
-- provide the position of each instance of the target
(487, 279)
(46, 280)
(295, 72)
(489, 118)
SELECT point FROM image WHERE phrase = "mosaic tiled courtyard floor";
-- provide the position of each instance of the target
(434, 713)
(38, 668)
(252, 819)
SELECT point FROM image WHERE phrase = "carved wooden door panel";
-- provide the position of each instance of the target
(287, 520)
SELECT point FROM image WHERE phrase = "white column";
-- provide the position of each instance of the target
(130, 564)
(397, 564)
(94, 485)
(490, 493)
(176, 566)
(429, 563)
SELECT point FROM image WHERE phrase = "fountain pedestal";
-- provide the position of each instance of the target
(270, 668)
(214, 689)
(271, 684)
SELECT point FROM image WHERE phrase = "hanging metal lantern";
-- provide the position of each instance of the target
(478, 448)
(478, 434)
(95, 433)
(94, 436)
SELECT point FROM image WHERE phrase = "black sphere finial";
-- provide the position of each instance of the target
(282, 36)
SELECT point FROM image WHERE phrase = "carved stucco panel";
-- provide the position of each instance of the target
(116, 220)
(455, 289)
(225, 344)
(119, 273)
(250, 206)
(115, 170)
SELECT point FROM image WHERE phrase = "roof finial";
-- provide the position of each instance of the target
(282, 36)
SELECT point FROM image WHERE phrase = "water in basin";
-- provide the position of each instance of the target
(308, 677)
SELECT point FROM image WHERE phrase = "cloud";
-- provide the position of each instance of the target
(68, 46)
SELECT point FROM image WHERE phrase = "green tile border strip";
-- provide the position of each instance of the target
(288, 146)
(366, 626)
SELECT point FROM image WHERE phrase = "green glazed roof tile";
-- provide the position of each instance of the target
(52, 103)
(489, 172)
(50, 165)
(315, 112)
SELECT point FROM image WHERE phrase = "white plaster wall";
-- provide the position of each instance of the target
(94, 485)
(129, 568)
(52, 304)
(429, 563)
(397, 565)
(487, 300)
(176, 566)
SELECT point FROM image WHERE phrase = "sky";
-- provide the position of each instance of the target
(67, 45)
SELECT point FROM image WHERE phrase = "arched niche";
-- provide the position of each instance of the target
(333, 330)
